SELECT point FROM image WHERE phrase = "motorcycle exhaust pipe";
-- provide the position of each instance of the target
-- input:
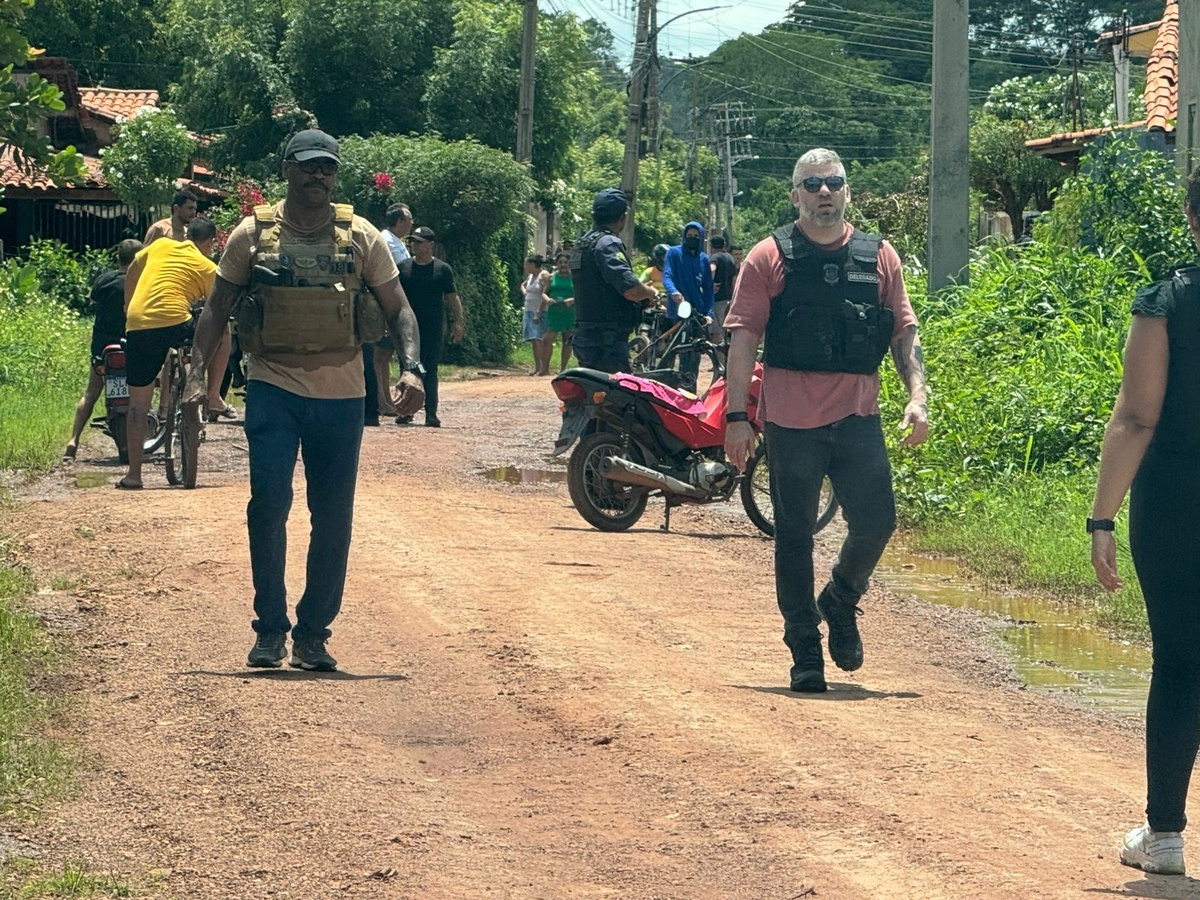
(620, 469)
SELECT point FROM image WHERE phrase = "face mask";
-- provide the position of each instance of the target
(692, 243)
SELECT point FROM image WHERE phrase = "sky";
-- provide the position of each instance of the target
(696, 34)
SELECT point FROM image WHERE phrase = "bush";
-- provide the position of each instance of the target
(470, 195)
(59, 273)
(151, 150)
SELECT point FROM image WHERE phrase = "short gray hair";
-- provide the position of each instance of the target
(818, 156)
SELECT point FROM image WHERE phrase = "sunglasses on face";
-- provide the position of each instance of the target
(313, 166)
(812, 183)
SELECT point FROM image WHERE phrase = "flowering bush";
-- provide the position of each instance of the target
(151, 150)
(383, 182)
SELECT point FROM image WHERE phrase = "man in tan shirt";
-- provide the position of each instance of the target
(183, 210)
(306, 393)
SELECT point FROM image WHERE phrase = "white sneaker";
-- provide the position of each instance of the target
(1157, 852)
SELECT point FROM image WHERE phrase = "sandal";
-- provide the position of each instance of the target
(123, 485)
(228, 413)
(69, 453)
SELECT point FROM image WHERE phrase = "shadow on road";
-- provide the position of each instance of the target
(1154, 887)
(837, 691)
(296, 675)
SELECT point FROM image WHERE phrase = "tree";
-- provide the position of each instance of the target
(151, 150)
(1006, 173)
(27, 102)
(110, 42)
(240, 96)
(472, 90)
(360, 65)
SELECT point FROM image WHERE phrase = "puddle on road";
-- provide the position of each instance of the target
(523, 475)
(91, 479)
(1052, 646)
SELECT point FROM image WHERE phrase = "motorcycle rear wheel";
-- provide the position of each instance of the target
(115, 426)
(756, 496)
(604, 504)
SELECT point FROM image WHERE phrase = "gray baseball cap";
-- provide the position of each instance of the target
(312, 143)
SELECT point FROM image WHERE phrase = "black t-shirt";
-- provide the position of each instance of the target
(426, 286)
(108, 297)
(724, 275)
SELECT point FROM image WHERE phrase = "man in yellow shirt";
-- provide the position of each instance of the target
(166, 280)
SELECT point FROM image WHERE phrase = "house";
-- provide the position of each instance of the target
(1159, 44)
(88, 213)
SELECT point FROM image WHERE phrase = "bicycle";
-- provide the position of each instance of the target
(184, 431)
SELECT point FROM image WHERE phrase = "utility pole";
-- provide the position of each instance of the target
(638, 72)
(1187, 117)
(949, 165)
(525, 97)
(731, 143)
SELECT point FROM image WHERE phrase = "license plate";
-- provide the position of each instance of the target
(115, 387)
(575, 420)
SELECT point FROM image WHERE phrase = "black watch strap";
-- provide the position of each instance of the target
(1101, 525)
(416, 368)
(736, 417)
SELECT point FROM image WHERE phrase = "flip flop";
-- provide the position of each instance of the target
(69, 452)
(122, 486)
(228, 413)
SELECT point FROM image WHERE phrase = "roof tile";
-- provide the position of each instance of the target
(113, 104)
(1162, 71)
(12, 175)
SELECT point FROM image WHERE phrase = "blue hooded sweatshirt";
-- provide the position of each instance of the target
(688, 274)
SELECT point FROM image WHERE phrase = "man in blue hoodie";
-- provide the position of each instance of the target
(687, 276)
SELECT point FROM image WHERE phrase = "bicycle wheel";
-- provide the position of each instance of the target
(171, 425)
(756, 496)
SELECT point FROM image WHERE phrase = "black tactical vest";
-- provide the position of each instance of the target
(829, 317)
(1179, 423)
(596, 302)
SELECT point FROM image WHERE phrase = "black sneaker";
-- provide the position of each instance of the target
(433, 422)
(310, 653)
(404, 420)
(808, 668)
(845, 644)
(268, 651)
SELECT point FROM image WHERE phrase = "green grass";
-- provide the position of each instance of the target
(33, 767)
(23, 881)
(1027, 533)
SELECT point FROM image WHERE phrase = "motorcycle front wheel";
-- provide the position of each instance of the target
(756, 496)
(605, 504)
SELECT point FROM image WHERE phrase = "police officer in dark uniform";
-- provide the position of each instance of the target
(608, 295)
(830, 302)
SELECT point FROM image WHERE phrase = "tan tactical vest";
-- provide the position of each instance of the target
(306, 297)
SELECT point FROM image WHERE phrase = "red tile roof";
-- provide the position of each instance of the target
(1162, 71)
(113, 104)
(12, 175)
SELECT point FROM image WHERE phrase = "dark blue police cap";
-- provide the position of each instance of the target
(609, 205)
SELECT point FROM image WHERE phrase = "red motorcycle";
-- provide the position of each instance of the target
(111, 365)
(640, 437)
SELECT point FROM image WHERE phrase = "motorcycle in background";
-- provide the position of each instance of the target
(110, 364)
(639, 438)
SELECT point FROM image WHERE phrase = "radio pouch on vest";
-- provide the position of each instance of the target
(306, 297)
(829, 317)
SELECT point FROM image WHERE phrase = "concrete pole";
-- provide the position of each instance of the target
(1121, 65)
(525, 96)
(638, 71)
(1187, 117)
(949, 172)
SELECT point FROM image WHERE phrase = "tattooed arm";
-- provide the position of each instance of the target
(910, 366)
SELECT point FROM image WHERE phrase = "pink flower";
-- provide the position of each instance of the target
(383, 181)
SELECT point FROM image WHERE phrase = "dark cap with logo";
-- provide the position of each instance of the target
(422, 234)
(610, 204)
(312, 143)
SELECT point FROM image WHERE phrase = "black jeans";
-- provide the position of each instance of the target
(602, 347)
(852, 453)
(432, 340)
(1162, 509)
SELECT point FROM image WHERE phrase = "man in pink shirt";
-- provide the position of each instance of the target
(830, 302)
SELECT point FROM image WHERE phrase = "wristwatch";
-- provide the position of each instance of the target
(416, 368)
(736, 417)
(1101, 525)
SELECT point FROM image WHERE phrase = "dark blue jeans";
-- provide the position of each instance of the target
(602, 347)
(327, 434)
(852, 453)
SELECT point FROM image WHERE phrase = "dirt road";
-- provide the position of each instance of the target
(533, 709)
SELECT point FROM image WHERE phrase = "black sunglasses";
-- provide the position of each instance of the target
(312, 166)
(812, 183)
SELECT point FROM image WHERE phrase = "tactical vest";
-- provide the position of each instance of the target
(596, 302)
(306, 297)
(1179, 422)
(829, 317)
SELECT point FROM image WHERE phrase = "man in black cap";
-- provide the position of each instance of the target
(429, 285)
(608, 295)
(329, 283)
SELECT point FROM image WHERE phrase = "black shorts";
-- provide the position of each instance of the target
(146, 351)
